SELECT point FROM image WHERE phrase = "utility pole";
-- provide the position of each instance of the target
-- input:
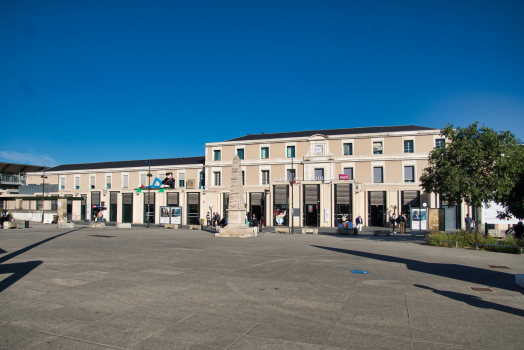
(43, 192)
(148, 191)
(292, 191)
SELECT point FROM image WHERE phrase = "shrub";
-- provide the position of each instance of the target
(470, 239)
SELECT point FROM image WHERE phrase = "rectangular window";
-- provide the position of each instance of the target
(108, 181)
(409, 174)
(39, 204)
(240, 153)
(53, 204)
(216, 155)
(92, 182)
(62, 183)
(143, 178)
(291, 151)
(377, 147)
(181, 179)
(125, 181)
(349, 172)
(348, 149)
(216, 176)
(265, 177)
(77, 183)
(408, 146)
(290, 175)
(319, 174)
(378, 175)
(243, 179)
(440, 143)
(264, 153)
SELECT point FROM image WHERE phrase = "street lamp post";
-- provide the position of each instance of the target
(148, 192)
(43, 192)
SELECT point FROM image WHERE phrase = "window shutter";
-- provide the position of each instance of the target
(143, 179)
(349, 172)
(376, 198)
(125, 181)
(311, 194)
(192, 198)
(151, 198)
(281, 194)
(408, 174)
(377, 175)
(77, 182)
(95, 198)
(256, 198)
(92, 181)
(127, 198)
(172, 199)
(113, 198)
(343, 193)
(319, 174)
(411, 198)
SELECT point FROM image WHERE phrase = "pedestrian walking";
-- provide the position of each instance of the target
(468, 222)
(359, 223)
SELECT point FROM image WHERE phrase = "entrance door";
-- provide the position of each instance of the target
(149, 210)
(193, 208)
(95, 205)
(113, 206)
(127, 207)
(225, 205)
(312, 205)
(377, 208)
(69, 208)
(256, 204)
(83, 207)
(281, 205)
(343, 202)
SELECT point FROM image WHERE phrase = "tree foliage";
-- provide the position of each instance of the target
(478, 165)
(514, 201)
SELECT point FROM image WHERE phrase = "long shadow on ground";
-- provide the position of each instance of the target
(19, 270)
(469, 274)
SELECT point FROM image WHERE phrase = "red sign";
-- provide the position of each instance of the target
(343, 177)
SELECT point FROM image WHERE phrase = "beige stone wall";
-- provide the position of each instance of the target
(421, 165)
(70, 182)
(393, 145)
(362, 147)
(277, 171)
(252, 175)
(300, 150)
(277, 150)
(226, 176)
(424, 143)
(393, 172)
(335, 146)
(363, 172)
(252, 152)
(84, 181)
(228, 153)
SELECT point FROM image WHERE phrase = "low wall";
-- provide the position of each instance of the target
(32, 215)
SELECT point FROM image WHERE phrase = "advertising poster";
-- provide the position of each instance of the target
(164, 215)
(176, 215)
(436, 219)
(419, 219)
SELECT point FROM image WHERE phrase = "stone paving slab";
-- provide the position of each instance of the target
(178, 289)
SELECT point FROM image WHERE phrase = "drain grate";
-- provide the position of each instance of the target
(101, 236)
(498, 267)
(481, 289)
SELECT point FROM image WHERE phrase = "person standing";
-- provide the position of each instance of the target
(100, 216)
(359, 223)
(392, 221)
(208, 218)
(217, 218)
(468, 222)
(402, 223)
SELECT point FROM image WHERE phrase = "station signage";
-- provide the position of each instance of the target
(343, 177)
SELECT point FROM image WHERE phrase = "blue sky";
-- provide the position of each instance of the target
(90, 81)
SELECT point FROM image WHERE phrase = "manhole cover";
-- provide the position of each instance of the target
(498, 267)
(101, 236)
(360, 272)
(481, 289)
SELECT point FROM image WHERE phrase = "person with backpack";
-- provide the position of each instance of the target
(398, 221)
(402, 223)
(392, 221)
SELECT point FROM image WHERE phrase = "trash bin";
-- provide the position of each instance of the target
(55, 219)
(26, 224)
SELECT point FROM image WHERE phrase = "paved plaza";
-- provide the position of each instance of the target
(153, 288)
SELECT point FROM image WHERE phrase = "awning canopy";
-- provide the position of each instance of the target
(14, 168)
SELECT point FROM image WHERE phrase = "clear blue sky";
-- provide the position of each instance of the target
(90, 81)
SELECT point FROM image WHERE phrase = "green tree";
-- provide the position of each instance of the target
(514, 201)
(477, 165)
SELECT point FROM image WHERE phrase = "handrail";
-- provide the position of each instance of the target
(498, 245)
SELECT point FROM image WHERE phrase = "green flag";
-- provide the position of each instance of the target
(161, 190)
(138, 190)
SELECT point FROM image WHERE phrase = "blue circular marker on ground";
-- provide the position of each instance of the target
(360, 272)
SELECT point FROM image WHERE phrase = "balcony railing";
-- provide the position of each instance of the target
(14, 178)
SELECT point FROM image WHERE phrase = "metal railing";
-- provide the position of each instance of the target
(13, 178)
(498, 245)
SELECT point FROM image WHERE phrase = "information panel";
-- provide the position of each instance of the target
(419, 220)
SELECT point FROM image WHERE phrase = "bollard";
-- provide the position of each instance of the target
(26, 224)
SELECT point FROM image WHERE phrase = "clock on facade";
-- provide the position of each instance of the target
(319, 149)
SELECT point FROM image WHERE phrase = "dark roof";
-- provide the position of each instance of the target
(130, 164)
(13, 168)
(365, 130)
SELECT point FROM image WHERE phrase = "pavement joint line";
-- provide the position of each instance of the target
(80, 340)
(451, 345)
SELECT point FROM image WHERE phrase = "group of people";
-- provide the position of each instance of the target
(214, 220)
(4, 217)
(252, 221)
(346, 222)
(399, 221)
